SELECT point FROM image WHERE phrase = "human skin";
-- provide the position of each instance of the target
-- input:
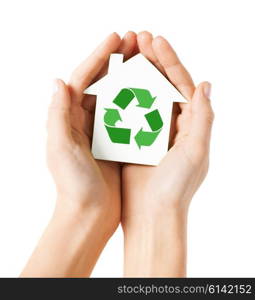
(156, 199)
(88, 203)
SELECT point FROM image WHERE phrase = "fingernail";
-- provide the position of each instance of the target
(127, 34)
(207, 89)
(55, 86)
(113, 33)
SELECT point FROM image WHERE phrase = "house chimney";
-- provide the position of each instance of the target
(115, 62)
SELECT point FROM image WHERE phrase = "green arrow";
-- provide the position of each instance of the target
(125, 96)
(154, 120)
(144, 98)
(111, 116)
(146, 138)
(119, 135)
(122, 135)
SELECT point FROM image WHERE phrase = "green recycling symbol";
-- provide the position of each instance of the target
(122, 135)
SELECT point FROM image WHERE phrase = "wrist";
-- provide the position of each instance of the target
(156, 247)
(164, 222)
(150, 215)
(86, 217)
(81, 238)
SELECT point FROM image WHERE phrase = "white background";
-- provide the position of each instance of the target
(41, 40)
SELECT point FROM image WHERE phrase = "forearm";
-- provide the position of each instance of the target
(156, 246)
(69, 247)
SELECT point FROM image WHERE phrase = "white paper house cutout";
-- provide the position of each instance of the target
(137, 72)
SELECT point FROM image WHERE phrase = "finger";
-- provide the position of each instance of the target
(144, 41)
(173, 67)
(136, 49)
(87, 70)
(201, 114)
(128, 45)
(59, 128)
(173, 129)
(89, 103)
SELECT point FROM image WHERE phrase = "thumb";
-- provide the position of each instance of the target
(59, 127)
(202, 114)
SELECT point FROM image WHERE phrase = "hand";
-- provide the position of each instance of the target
(82, 182)
(173, 182)
(158, 195)
(88, 202)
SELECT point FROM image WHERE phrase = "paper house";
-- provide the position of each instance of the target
(133, 112)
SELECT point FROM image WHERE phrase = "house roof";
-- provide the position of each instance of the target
(137, 63)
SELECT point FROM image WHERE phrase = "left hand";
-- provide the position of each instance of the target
(157, 190)
(156, 198)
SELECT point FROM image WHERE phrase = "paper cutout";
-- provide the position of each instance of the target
(133, 112)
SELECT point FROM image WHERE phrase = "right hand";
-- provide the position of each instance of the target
(83, 183)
